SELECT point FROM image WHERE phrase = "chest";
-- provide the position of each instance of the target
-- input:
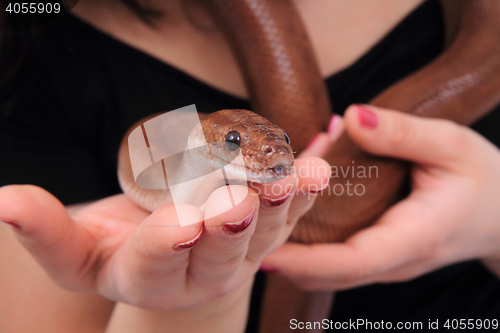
(340, 32)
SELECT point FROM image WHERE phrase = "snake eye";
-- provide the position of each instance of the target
(233, 141)
(287, 138)
(279, 170)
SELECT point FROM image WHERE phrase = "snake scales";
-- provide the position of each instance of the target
(271, 46)
(214, 142)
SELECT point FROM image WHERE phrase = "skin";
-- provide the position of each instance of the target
(218, 69)
(341, 31)
(462, 176)
(118, 250)
(452, 206)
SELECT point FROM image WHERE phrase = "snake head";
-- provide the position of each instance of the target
(266, 154)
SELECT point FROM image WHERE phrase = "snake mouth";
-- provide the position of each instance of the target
(266, 175)
(240, 167)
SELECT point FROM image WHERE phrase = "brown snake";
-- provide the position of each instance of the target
(266, 156)
(271, 46)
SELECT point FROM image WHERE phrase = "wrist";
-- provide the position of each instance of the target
(226, 314)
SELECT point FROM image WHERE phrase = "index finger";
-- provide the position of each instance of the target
(431, 142)
(362, 259)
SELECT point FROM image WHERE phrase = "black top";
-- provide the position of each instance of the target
(64, 114)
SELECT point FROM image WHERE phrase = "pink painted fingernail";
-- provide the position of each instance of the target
(316, 190)
(268, 268)
(276, 202)
(332, 126)
(313, 141)
(14, 224)
(366, 118)
(189, 244)
(237, 227)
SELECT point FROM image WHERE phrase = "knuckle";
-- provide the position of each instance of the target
(151, 248)
(272, 229)
(433, 247)
(402, 133)
(454, 137)
(456, 140)
(234, 261)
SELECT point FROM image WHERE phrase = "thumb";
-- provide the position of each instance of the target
(43, 227)
(429, 142)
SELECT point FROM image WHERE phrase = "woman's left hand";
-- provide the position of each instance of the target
(148, 260)
(451, 215)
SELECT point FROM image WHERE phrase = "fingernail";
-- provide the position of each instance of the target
(188, 244)
(332, 126)
(267, 268)
(237, 227)
(313, 141)
(316, 190)
(276, 202)
(15, 225)
(366, 118)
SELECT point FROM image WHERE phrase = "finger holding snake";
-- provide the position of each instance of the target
(450, 216)
(126, 254)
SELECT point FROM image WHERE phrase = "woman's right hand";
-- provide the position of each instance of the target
(126, 254)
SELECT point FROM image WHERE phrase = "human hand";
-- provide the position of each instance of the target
(451, 215)
(128, 255)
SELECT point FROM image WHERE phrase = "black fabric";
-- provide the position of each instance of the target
(61, 122)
